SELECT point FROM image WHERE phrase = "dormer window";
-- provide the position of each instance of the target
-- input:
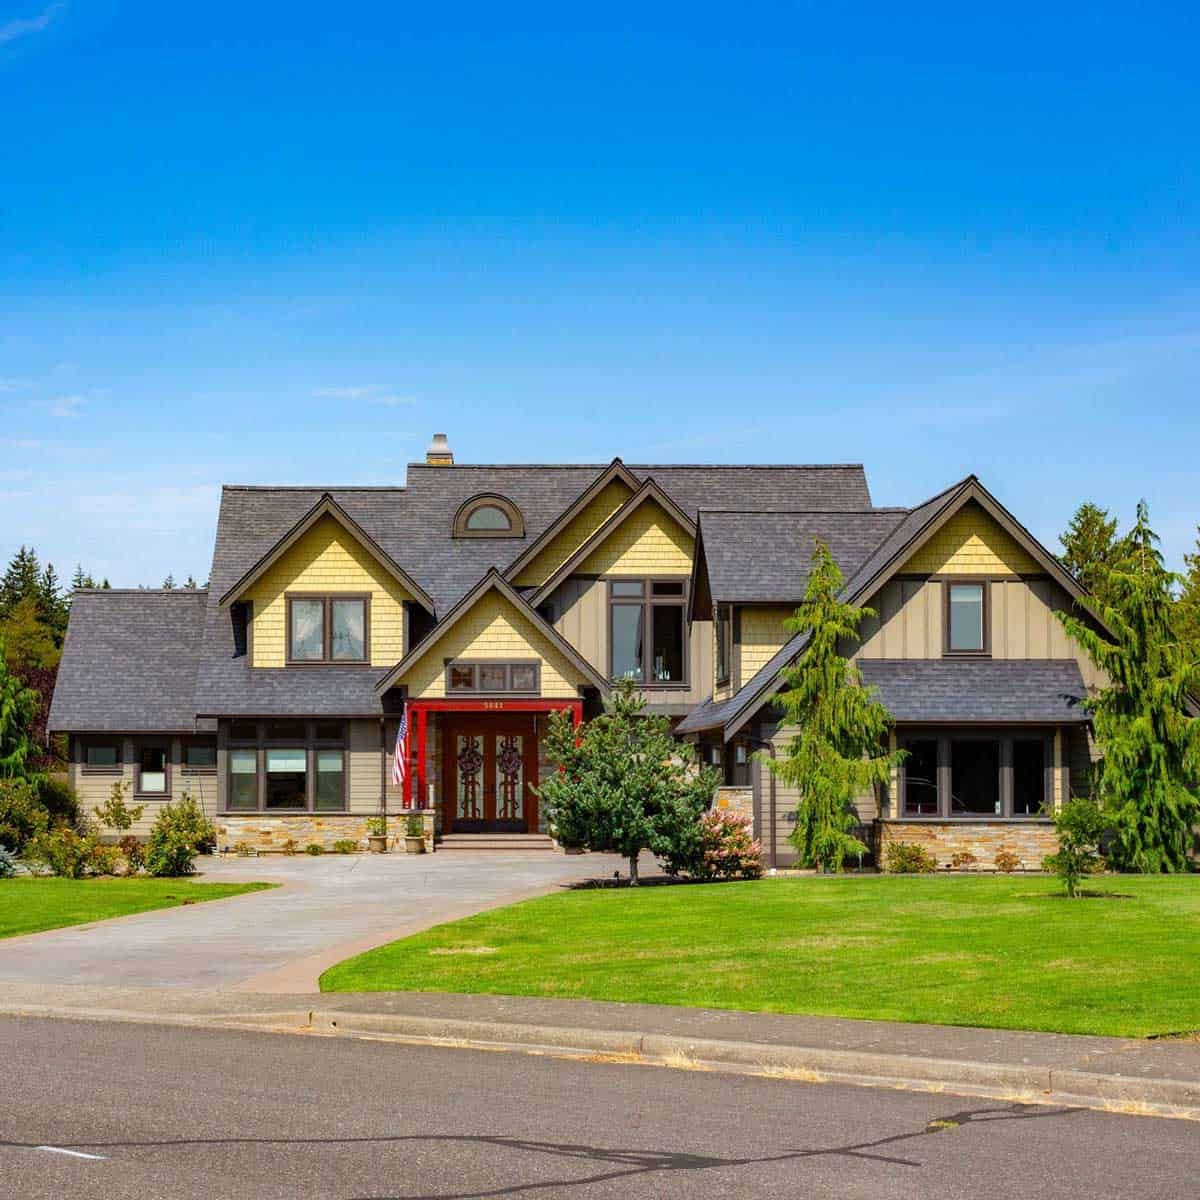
(489, 516)
(327, 629)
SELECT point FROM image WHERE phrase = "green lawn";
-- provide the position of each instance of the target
(29, 905)
(1007, 952)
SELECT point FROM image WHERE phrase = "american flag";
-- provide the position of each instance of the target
(400, 757)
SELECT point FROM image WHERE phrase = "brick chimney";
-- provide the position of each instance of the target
(439, 453)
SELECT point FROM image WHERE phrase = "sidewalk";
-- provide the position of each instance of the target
(1158, 1078)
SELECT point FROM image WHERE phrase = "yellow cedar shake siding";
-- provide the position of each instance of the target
(649, 542)
(495, 629)
(326, 560)
(971, 543)
(763, 634)
(582, 526)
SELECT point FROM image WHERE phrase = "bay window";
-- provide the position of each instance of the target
(648, 636)
(327, 629)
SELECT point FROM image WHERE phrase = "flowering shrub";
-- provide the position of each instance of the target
(728, 848)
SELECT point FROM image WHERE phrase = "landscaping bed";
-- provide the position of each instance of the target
(1001, 951)
(33, 904)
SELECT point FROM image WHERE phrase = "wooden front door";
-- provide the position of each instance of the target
(489, 764)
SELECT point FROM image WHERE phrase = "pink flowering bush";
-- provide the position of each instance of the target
(728, 849)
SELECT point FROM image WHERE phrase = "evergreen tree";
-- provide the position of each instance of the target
(106, 586)
(18, 704)
(1088, 546)
(80, 580)
(21, 580)
(1149, 777)
(835, 754)
(28, 640)
(168, 584)
(52, 605)
(1187, 609)
(191, 583)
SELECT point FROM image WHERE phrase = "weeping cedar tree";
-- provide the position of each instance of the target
(620, 787)
(1149, 776)
(18, 704)
(834, 755)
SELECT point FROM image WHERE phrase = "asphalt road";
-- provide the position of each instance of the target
(163, 1112)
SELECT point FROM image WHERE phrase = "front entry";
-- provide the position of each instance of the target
(490, 765)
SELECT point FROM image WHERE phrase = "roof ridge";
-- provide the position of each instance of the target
(692, 466)
(140, 591)
(313, 487)
(766, 512)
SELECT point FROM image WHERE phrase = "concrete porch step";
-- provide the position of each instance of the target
(496, 841)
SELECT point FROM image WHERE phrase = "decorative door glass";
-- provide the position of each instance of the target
(510, 777)
(469, 760)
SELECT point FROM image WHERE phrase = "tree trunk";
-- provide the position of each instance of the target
(633, 875)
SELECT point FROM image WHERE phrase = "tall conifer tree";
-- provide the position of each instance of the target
(1088, 545)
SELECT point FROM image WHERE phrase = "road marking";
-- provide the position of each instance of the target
(73, 1153)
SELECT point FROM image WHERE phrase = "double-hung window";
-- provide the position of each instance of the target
(152, 777)
(327, 629)
(648, 636)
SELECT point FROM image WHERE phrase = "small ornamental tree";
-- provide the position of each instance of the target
(1080, 826)
(115, 812)
(1148, 781)
(620, 787)
(834, 755)
(18, 705)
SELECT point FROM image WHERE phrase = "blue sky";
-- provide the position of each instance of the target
(266, 243)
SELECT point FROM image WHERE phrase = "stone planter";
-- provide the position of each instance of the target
(377, 843)
(414, 845)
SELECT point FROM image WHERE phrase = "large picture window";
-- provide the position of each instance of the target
(648, 636)
(970, 776)
(286, 766)
(327, 629)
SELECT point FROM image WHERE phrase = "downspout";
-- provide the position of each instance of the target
(770, 749)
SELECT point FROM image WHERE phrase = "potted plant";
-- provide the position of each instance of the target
(377, 834)
(414, 835)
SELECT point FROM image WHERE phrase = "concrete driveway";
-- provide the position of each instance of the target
(326, 909)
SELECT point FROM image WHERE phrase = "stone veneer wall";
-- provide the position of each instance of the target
(1030, 841)
(266, 833)
(735, 799)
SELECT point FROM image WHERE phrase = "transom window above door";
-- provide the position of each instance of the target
(518, 678)
(648, 634)
(327, 629)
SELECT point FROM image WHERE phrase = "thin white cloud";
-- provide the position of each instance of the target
(391, 401)
(24, 26)
(371, 393)
(67, 406)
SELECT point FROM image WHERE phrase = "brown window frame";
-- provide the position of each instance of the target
(648, 602)
(327, 599)
(516, 522)
(152, 744)
(985, 586)
(311, 744)
(723, 630)
(114, 768)
(507, 664)
(189, 743)
(1005, 736)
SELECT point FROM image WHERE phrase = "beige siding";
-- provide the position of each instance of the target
(579, 529)
(762, 634)
(327, 559)
(648, 542)
(494, 629)
(364, 763)
(971, 543)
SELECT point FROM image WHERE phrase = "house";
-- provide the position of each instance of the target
(479, 600)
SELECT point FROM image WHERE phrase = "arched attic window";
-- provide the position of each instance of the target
(489, 515)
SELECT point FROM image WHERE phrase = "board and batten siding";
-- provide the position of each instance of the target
(580, 609)
(327, 560)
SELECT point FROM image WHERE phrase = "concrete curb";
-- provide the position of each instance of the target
(1011, 1081)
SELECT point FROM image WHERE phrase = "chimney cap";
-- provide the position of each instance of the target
(439, 453)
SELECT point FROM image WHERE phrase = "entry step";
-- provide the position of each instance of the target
(512, 842)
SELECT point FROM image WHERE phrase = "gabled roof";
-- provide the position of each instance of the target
(327, 506)
(616, 470)
(129, 662)
(492, 581)
(897, 547)
(648, 491)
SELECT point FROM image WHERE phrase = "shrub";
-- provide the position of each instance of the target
(1081, 827)
(180, 832)
(1006, 861)
(906, 858)
(8, 863)
(345, 846)
(104, 858)
(63, 852)
(135, 854)
(22, 815)
(58, 799)
(414, 826)
(115, 812)
(963, 860)
(729, 849)
(314, 848)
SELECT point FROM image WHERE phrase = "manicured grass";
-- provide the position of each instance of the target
(30, 905)
(1006, 952)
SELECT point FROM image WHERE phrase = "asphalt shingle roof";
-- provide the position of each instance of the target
(129, 662)
(1013, 690)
